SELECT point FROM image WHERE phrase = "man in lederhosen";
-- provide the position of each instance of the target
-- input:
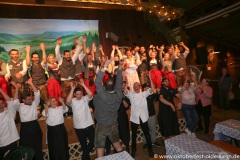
(179, 64)
(17, 72)
(67, 67)
(37, 71)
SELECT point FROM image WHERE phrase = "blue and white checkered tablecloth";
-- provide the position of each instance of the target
(226, 130)
(117, 156)
(188, 147)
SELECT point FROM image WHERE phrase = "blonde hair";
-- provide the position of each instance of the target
(50, 56)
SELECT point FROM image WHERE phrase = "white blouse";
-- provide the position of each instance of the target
(55, 115)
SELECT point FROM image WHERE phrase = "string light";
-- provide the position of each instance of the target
(153, 7)
(163, 12)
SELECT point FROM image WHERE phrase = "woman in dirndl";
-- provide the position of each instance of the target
(53, 83)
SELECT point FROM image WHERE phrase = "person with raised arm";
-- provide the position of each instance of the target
(56, 134)
(139, 115)
(3, 83)
(179, 64)
(79, 62)
(8, 131)
(67, 67)
(107, 102)
(116, 51)
(30, 131)
(53, 82)
(82, 118)
(130, 67)
(37, 71)
(188, 93)
(17, 72)
(151, 112)
(167, 61)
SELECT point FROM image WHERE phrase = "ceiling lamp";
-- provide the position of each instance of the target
(165, 13)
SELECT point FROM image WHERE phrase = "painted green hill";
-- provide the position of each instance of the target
(9, 37)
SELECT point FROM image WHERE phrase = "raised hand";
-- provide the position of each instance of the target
(59, 41)
(27, 49)
(113, 47)
(60, 99)
(81, 82)
(162, 47)
(84, 39)
(42, 46)
(181, 43)
(48, 104)
(29, 81)
(100, 47)
(87, 50)
(76, 41)
(81, 47)
(73, 85)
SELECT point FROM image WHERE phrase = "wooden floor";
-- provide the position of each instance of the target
(218, 115)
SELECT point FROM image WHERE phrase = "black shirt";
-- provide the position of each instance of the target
(168, 94)
(150, 102)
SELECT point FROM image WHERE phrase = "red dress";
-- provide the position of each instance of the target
(4, 86)
(53, 85)
(156, 77)
(171, 77)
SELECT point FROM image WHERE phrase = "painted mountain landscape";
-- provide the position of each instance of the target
(17, 33)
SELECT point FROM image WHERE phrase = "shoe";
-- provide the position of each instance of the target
(187, 131)
(156, 144)
(150, 152)
(145, 147)
(199, 129)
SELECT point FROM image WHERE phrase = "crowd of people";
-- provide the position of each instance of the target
(86, 77)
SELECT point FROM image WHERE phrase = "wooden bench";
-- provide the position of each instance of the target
(226, 146)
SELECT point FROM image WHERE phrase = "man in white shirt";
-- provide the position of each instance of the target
(30, 131)
(139, 115)
(82, 118)
(8, 130)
